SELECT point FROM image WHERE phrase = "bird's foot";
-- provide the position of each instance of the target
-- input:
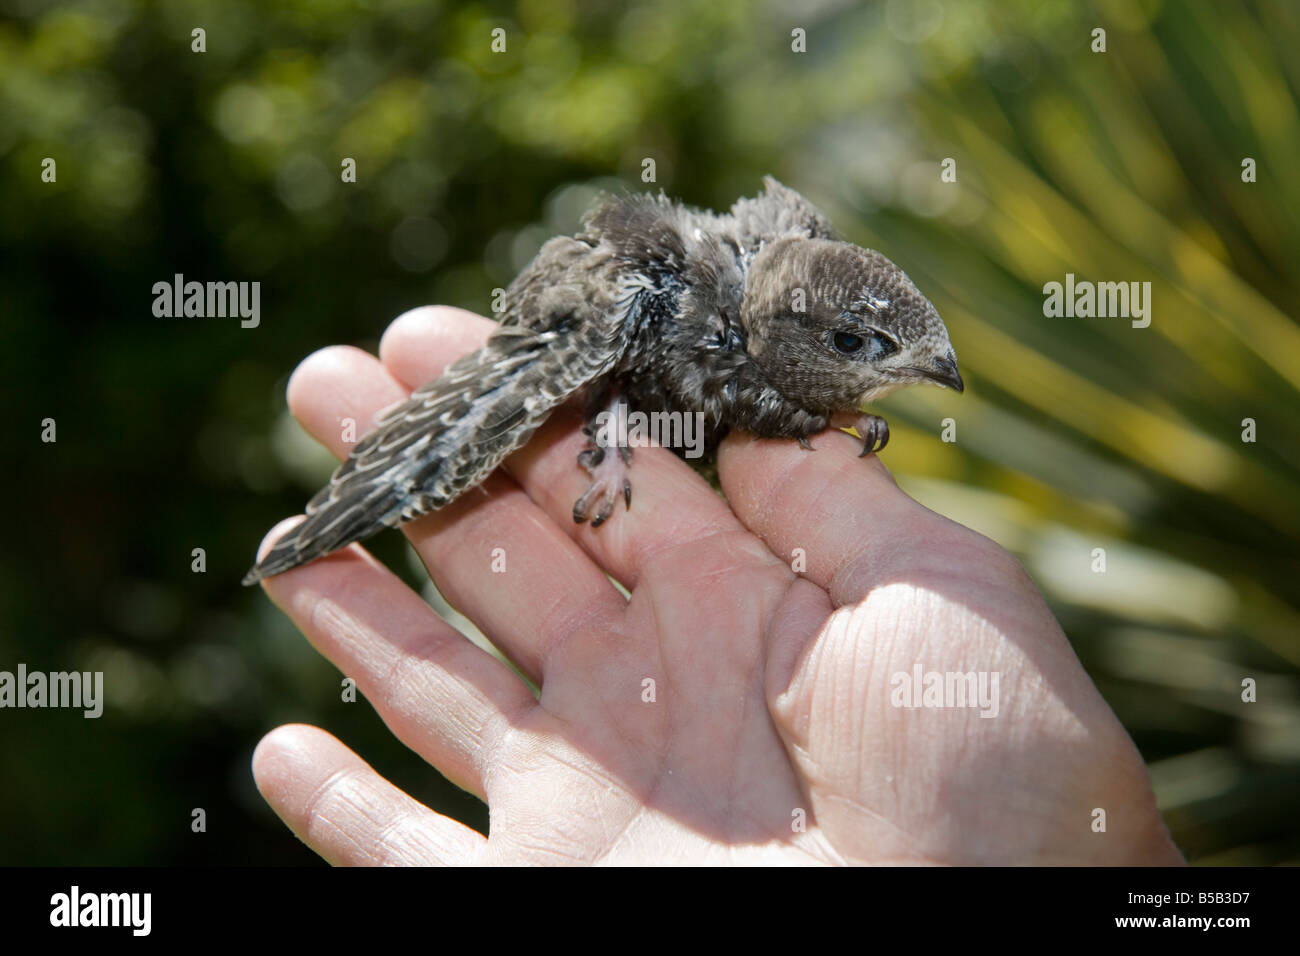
(608, 468)
(874, 431)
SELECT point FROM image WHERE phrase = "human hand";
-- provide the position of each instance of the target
(771, 736)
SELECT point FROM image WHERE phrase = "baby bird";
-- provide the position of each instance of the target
(759, 319)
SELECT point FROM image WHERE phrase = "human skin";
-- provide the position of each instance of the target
(768, 734)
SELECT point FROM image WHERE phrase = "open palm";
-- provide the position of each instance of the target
(733, 709)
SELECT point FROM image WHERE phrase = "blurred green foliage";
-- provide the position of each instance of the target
(1074, 434)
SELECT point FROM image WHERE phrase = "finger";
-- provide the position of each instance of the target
(442, 332)
(493, 553)
(445, 698)
(340, 807)
(842, 516)
(672, 507)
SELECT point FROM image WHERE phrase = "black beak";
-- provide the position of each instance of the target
(944, 372)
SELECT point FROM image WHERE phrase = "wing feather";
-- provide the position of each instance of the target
(450, 434)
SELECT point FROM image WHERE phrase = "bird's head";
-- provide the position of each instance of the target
(833, 325)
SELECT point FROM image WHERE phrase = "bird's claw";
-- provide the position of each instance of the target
(875, 433)
(591, 458)
(602, 496)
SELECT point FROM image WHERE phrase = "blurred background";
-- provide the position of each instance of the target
(1074, 433)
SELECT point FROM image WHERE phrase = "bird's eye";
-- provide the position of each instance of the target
(847, 342)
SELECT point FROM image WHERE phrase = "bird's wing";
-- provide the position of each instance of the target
(453, 432)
